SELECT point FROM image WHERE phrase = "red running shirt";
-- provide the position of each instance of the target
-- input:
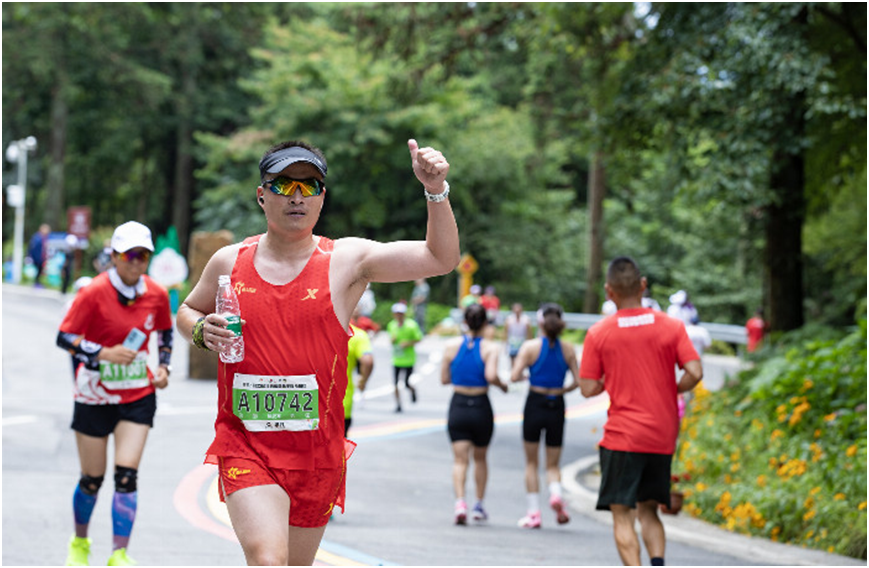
(754, 328)
(636, 352)
(98, 316)
(292, 339)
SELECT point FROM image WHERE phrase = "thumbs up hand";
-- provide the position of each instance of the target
(429, 166)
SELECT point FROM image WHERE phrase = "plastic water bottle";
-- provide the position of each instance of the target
(228, 307)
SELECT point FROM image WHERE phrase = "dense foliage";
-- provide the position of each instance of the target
(781, 451)
(692, 118)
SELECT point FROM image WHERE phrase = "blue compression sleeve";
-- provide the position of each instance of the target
(82, 506)
(124, 507)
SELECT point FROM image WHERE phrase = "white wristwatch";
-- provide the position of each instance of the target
(438, 197)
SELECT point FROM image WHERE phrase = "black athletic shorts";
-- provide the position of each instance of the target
(406, 371)
(471, 418)
(100, 420)
(628, 478)
(544, 412)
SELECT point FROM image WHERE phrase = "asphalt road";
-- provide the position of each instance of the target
(400, 500)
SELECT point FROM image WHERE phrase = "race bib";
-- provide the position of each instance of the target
(273, 403)
(122, 377)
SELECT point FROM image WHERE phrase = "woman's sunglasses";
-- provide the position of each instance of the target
(135, 254)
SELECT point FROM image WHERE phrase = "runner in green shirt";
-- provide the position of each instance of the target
(404, 333)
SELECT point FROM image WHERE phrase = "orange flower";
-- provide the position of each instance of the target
(851, 451)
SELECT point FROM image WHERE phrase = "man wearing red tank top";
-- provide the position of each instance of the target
(279, 434)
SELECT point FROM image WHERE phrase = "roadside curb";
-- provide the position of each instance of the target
(579, 476)
(32, 291)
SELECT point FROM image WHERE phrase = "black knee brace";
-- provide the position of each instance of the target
(125, 479)
(90, 485)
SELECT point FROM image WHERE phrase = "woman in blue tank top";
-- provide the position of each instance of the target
(547, 359)
(470, 364)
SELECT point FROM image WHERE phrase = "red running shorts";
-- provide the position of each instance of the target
(313, 493)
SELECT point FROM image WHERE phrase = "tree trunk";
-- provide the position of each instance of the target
(784, 227)
(183, 181)
(784, 245)
(55, 198)
(184, 146)
(596, 193)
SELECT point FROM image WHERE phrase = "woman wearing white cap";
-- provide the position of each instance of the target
(681, 308)
(106, 330)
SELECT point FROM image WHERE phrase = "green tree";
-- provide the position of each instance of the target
(361, 108)
(72, 89)
(736, 88)
(115, 92)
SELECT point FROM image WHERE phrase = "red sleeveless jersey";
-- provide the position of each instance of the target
(283, 404)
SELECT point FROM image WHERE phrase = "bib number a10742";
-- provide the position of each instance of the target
(269, 403)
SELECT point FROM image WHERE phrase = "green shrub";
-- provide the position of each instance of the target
(782, 453)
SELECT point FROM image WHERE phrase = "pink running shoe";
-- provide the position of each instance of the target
(560, 509)
(530, 521)
(461, 513)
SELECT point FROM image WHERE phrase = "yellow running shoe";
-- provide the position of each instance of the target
(79, 550)
(120, 558)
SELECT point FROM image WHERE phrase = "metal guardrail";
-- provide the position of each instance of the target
(726, 332)
(720, 331)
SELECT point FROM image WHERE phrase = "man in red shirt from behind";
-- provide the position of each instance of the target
(632, 354)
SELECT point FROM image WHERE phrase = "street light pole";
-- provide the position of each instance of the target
(16, 195)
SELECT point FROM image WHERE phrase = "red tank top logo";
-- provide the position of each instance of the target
(240, 287)
(312, 294)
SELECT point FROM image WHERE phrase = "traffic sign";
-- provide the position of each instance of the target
(467, 264)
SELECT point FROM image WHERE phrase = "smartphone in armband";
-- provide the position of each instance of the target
(135, 339)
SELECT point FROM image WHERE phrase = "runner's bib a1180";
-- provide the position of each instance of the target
(272, 403)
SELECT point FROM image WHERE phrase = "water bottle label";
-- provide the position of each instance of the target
(234, 324)
(270, 403)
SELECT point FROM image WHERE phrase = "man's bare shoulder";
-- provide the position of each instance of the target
(226, 255)
(350, 244)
